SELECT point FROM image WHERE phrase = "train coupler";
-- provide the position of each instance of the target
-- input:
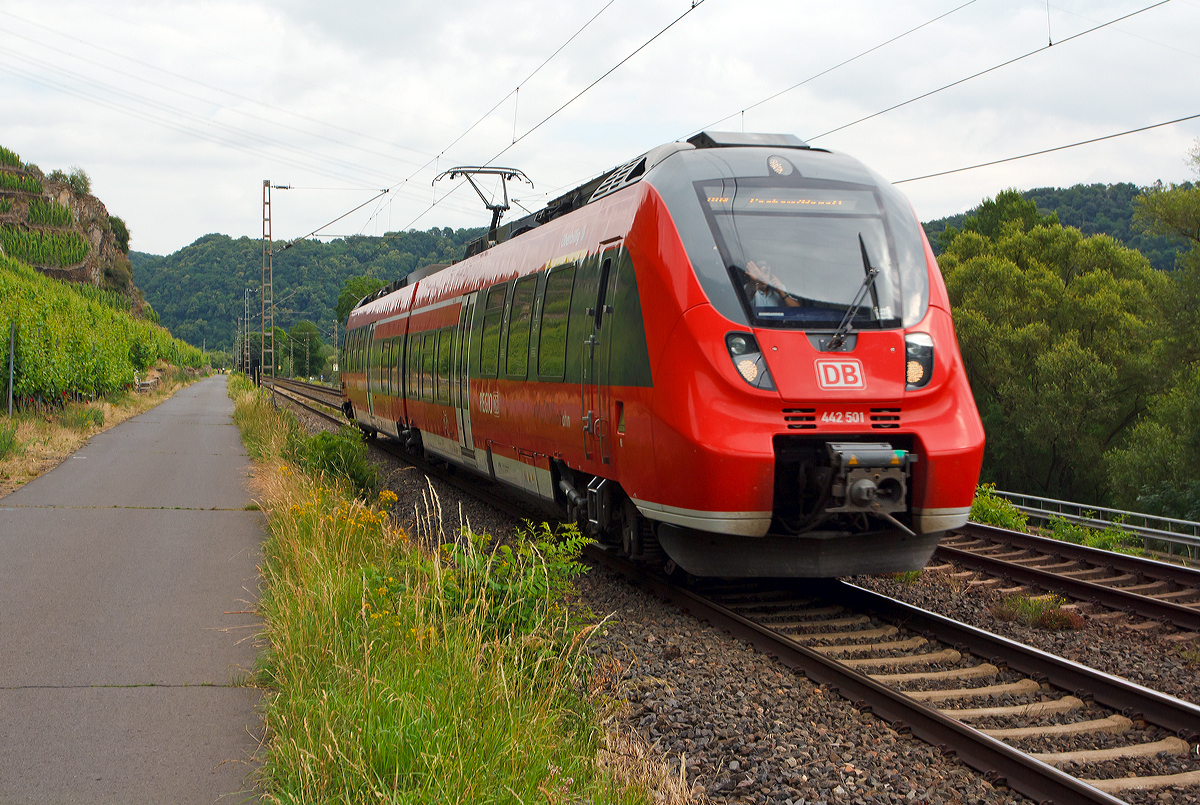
(869, 478)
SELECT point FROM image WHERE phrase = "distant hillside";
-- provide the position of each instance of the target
(199, 291)
(1093, 209)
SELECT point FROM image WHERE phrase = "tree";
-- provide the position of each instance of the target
(1175, 209)
(354, 289)
(1158, 470)
(306, 341)
(993, 215)
(1062, 338)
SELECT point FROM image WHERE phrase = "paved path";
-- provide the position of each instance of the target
(123, 574)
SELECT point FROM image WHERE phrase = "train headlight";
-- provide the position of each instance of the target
(918, 360)
(748, 359)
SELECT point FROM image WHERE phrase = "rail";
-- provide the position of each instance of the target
(1168, 530)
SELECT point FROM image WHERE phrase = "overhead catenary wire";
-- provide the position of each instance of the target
(828, 70)
(488, 113)
(1033, 52)
(1050, 150)
(213, 87)
(694, 5)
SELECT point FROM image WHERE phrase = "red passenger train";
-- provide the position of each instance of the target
(737, 350)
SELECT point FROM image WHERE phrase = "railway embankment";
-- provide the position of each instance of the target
(128, 590)
(418, 664)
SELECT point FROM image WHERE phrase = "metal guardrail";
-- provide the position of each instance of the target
(1174, 533)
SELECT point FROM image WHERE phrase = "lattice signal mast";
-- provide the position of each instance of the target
(267, 359)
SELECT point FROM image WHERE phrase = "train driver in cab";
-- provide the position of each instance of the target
(764, 289)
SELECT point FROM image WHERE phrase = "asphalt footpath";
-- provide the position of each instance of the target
(127, 579)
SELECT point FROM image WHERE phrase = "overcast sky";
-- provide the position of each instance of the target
(179, 111)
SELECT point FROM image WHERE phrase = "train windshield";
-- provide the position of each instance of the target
(802, 254)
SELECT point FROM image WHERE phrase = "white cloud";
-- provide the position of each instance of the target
(180, 110)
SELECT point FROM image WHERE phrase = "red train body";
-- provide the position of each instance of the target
(737, 350)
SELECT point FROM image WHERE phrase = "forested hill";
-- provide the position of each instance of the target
(199, 291)
(1094, 209)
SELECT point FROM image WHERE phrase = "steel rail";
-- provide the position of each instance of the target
(321, 394)
(337, 420)
(999, 763)
(1113, 597)
(1168, 712)
(1180, 574)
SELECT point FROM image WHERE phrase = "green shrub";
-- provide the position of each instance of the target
(80, 182)
(1041, 612)
(515, 587)
(1113, 537)
(990, 508)
(9, 158)
(120, 232)
(339, 456)
(6, 205)
(49, 213)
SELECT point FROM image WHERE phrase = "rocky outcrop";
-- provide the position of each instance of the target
(105, 265)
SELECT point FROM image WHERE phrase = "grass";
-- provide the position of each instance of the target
(1041, 612)
(422, 668)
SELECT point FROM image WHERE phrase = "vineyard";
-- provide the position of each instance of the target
(72, 344)
(44, 248)
(24, 184)
(49, 213)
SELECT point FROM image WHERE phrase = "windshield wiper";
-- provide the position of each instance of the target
(843, 329)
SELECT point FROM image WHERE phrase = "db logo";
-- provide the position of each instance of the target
(844, 373)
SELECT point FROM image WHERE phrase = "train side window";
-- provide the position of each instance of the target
(552, 342)
(493, 317)
(413, 382)
(444, 351)
(389, 373)
(427, 366)
(516, 359)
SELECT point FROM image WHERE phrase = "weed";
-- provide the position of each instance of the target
(1190, 655)
(82, 417)
(907, 577)
(990, 508)
(9, 444)
(251, 507)
(1042, 612)
(1113, 538)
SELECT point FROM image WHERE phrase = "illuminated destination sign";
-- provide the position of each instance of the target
(790, 200)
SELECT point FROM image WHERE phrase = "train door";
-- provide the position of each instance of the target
(461, 374)
(371, 368)
(595, 389)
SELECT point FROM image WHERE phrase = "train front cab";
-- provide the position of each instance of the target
(830, 444)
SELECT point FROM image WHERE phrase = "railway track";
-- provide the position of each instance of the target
(1016, 714)
(1046, 727)
(1146, 588)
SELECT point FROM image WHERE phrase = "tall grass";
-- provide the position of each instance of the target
(404, 672)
